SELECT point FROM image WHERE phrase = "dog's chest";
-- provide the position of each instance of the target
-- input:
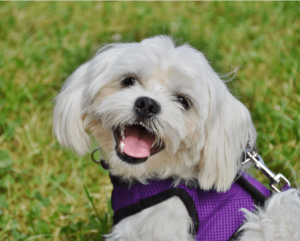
(216, 216)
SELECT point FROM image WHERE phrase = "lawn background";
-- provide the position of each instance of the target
(42, 195)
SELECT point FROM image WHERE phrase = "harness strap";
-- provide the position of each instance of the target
(156, 199)
(258, 198)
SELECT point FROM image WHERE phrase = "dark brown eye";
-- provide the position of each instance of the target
(128, 81)
(184, 102)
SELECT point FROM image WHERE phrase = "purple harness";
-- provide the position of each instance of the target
(216, 216)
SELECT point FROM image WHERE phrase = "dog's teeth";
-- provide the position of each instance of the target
(122, 146)
(123, 137)
(154, 143)
(158, 143)
(122, 133)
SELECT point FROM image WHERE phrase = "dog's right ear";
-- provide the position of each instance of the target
(67, 120)
(79, 88)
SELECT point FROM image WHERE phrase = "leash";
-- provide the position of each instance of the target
(249, 155)
(275, 179)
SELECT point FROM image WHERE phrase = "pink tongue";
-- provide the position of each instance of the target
(137, 142)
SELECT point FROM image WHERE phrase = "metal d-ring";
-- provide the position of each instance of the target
(92, 156)
(101, 162)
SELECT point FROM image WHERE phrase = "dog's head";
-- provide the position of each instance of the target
(156, 109)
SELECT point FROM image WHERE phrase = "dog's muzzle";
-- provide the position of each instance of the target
(135, 143)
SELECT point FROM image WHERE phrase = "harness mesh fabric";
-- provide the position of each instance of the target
(219, 215)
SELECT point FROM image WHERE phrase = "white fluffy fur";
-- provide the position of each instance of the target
(159, 223)
(278, 221)
(204, 142)
(67, 120)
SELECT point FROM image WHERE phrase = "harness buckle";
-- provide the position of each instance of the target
(277, 179)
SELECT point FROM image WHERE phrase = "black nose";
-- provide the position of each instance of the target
(146, 107)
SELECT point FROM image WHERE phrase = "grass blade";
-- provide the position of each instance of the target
(91, 201)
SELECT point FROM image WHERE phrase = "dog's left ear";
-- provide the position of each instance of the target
(228, 129)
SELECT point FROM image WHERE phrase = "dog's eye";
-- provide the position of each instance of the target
(128, 81)
(184, 102)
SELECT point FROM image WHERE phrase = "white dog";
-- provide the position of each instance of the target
(168, 122)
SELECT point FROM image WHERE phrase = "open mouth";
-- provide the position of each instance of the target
(135, 143)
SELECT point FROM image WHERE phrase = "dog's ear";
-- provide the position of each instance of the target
(67, 120)
(75, 96)
(73, 101)
(228, 129)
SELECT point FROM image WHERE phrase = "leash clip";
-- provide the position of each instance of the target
(252, 155)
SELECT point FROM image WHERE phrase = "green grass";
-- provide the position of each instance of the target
(49, 193)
